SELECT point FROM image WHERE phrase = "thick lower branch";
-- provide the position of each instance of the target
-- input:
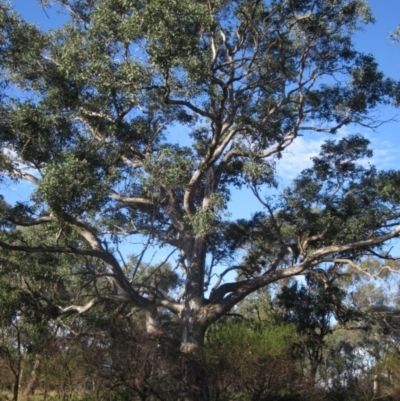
(29, 222)
(329, 250)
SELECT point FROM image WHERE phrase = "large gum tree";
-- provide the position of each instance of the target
(87, 116)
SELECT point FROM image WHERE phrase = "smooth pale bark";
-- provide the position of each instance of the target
(194, 375)
(30, 387)
(152, 322)
(17, 371)
(376, 387)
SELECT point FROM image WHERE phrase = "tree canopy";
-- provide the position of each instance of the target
(87, 112)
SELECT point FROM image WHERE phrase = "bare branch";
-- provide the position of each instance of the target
(239, 290)
(184, 103)
(331, 130)
(78, 309)
(108, 258)
(84, 231)
(255, 283)
(282, 145)
(160, 265)
(221, 276)
(355, 245)
(26, 176)
(27, 221)
(52, 249)
(364, 271)
(131, 201)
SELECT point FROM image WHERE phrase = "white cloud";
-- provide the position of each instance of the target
(298, 155)
(19, 165)
(386, 153)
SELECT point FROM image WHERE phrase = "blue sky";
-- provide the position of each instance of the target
(385, 140)
(373, 39)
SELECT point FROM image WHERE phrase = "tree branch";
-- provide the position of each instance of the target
(354, 245)
(131, 201)
(27, 221)
(26, 176)
(364, 271)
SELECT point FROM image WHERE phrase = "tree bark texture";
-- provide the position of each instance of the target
(194, 374)
(30, 387)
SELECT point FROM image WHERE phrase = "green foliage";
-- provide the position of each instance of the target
(254, 344)
(170, 166)
(162, 277)
(250, 360)
(90, 113)
(73, 187)
(206, 221)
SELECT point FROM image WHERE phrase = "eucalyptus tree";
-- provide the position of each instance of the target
(311, 308)
(31, 289)
(88, 116)
(11, 340)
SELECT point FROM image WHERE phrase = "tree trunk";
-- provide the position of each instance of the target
(17, 379)
(152, 322)
(315, 356)
(18, 369)
(30, 387)
(16, 388)
(376, 386)
(194, 374)
(194, 378)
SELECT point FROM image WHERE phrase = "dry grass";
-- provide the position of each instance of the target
(38, 396)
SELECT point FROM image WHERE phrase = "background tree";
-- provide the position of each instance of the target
(311, 308)
(86, 116)
(253, 361)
